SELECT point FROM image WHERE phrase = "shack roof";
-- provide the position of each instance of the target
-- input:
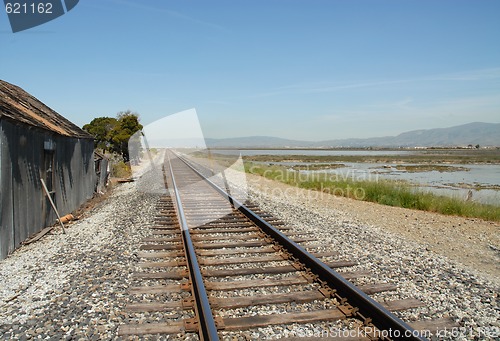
(18, 105)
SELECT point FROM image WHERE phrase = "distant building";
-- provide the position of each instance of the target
(38, 143)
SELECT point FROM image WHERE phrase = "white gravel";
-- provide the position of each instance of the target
(74, 285)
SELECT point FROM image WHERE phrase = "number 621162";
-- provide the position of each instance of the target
(18, 8)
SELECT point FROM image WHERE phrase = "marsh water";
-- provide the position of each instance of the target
(480, 180)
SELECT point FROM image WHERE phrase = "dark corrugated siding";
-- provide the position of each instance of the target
(24, 207)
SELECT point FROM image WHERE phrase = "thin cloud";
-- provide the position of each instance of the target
(169, 12)
(473, 75)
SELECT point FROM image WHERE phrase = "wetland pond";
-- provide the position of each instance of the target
(475, 175)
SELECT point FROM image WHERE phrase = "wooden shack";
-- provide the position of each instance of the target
(38, 143)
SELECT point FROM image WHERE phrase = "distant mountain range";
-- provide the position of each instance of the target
(477, 133)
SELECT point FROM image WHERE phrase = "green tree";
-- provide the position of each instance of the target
(100, 128)
(113, 134)
(128, 125)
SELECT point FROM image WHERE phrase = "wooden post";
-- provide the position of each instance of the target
(53, 205)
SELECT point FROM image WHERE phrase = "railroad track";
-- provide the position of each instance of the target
(214, 268)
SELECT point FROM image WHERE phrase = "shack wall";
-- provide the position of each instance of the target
(24, 160)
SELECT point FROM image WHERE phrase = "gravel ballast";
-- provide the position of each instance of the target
(75, 286)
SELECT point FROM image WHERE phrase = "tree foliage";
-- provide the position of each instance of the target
(101, 128)
(112, 134)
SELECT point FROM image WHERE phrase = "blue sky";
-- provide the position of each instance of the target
(308, 69)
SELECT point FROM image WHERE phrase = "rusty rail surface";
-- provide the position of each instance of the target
(208, 328)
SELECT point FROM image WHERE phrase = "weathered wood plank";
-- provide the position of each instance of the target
(239, 323)
(224, 230)
(241, 260)
(162, 264)
(245, 301)
(151, 328)
(324, 254)
(155, 306)
(201, 238)
(156, 289)
(161, 239)
(404, 304)
(436, 325)
(177, 246)
(229, 245)
(370, 289)
(248, 271)
(161, 275)
(264, 270)
(208, 253)
(166, 232)
(258, 283)
(160, 254)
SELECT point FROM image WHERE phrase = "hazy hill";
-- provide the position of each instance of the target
(484, 134)
(257, 142)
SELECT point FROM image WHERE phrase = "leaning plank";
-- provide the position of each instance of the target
(38, 235)
(239, 323)
(151, 328)
(53, 205)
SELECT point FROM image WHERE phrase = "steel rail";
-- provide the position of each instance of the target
(208, 327)
(381, 318)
